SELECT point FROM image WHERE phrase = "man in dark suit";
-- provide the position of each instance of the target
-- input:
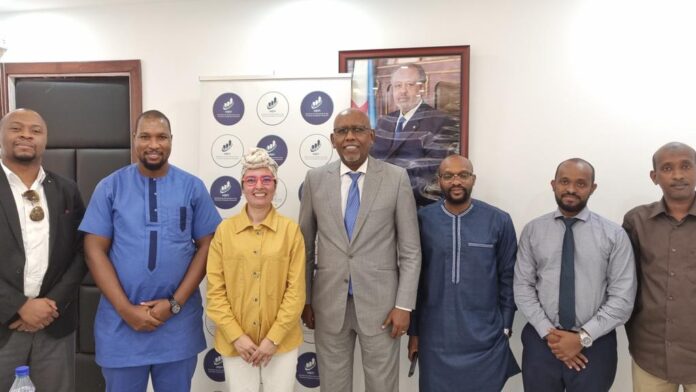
(359, 222)
(41, 264)
(417, 136)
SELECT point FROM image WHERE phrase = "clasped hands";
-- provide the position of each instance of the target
(35, 314)
(251, 353)
(148, 315)
(567, 348)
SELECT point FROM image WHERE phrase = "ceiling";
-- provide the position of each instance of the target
(33, 5)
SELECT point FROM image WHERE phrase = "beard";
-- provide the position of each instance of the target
(571, 208)
(153, 166)
(463, 199)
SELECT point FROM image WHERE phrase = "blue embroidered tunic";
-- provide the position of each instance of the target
(152, 223)
(465, 298)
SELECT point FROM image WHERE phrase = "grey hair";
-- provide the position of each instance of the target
(258, 158)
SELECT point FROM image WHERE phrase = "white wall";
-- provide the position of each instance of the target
(609, 81)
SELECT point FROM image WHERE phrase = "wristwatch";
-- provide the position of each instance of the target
(585, 338)
(174, 306)
(507, 332)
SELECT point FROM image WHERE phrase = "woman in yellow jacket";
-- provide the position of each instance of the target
(256, 286)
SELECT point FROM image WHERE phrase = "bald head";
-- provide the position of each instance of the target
(23, 137)
(355, 116)
(458, 160)
(21, 112)
(672, 148)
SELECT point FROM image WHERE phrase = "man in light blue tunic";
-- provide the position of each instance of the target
(148, 227)
(465, 308)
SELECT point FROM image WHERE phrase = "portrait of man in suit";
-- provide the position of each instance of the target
(358, 218)
(42, 262)
(416, 136)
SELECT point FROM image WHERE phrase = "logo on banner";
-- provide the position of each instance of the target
(281, 194)
(308, 370)
(226, 192)
(316, 150)
(272, 108)
(276, 147)
(316, 107)
(227, 151)
(212, 364)
(228, 109)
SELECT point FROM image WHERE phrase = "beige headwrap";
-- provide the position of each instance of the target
(258, 158)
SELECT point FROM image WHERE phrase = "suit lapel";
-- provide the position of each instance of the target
(54, 210)
(411, 126)
(333, 189)
(373, 180)
(10, 207)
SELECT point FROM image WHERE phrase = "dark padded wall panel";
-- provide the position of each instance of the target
(102, 106)
(93, 165)
(89, 299)
(88, 377)
(61, 161)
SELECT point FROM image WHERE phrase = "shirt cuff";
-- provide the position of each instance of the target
(406, 309)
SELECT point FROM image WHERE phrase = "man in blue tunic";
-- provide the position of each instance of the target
(148, 227)
(465, 308)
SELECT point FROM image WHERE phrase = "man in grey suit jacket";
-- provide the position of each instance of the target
(358, 218)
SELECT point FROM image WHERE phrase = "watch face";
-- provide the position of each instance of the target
(175, 307)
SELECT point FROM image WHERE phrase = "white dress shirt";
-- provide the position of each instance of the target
(34, 234)
(346, 181)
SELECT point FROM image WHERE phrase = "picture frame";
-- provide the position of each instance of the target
(417, 100)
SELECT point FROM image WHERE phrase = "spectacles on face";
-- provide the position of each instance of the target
(356, 130)
(37, 213)
(253, 180)
(465, 175)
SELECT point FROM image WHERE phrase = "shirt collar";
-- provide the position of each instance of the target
(242, 222)
(13, 178)
(362, 169)
(660, 208)
(583, 215)
(411, 112)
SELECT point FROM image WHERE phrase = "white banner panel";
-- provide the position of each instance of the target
(292, 118)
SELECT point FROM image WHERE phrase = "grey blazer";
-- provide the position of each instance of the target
(384, 257)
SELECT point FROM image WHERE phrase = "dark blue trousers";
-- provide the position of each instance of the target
(543, 372)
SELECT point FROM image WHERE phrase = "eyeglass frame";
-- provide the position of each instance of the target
(356, 130)
(464, 176)
(271, 179)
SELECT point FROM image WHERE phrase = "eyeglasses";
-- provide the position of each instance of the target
(37, 213)
(356, 130)
(462, 176)
(253, 180)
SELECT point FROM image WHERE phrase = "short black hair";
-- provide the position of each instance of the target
(152, 114)
(672, 146)
(576, 160)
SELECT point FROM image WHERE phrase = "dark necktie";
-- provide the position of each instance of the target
(351, 214)
(400, 124)
(566, 295)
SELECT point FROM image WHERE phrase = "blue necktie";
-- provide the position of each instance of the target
(351, 214)
(400, 124)
(566, 294)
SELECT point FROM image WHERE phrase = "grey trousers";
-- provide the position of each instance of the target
(51, 361)
(380, 357)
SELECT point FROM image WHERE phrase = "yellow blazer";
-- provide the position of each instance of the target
(256, 281)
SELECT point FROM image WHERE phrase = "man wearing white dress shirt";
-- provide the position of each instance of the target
(41, 264)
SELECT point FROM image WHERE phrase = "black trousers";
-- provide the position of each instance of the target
(543, 372)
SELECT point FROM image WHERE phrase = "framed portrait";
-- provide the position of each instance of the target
(417, 100)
